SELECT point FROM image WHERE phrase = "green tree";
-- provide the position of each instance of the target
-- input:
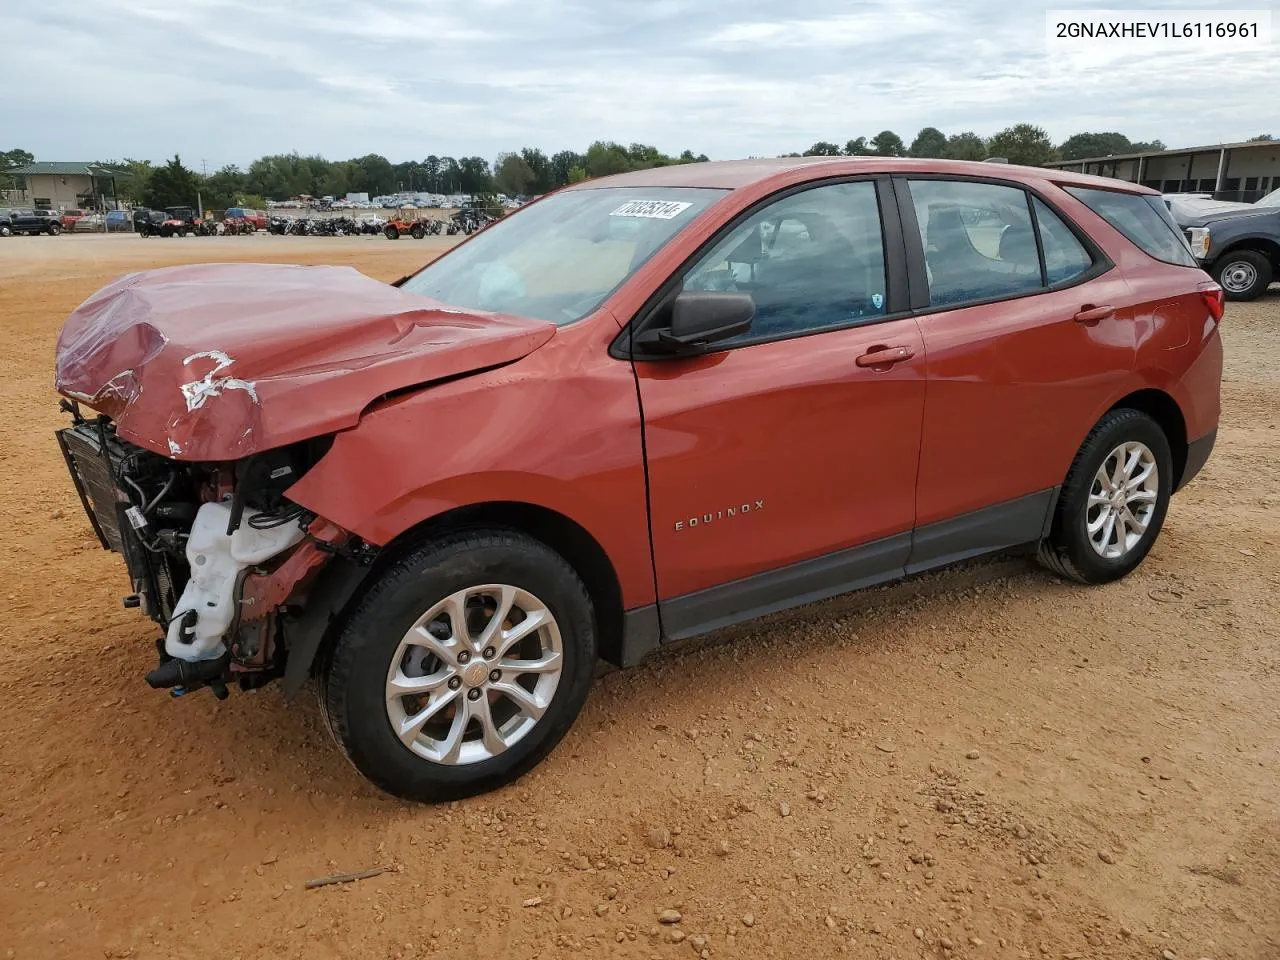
(431, 166)
(1260, 138)
(886, 143)
(643, 156)
(450, 175)
(1081, 145)
(858, 147)
(376, 177)
(1023, 143)
(688, 157)
(512, 174)
(823, 149)
(1147, 146)
(222, 189)
(474, 175)
(562, 163)
(10, 159)
(171, 185)
(966, 146)
(929, 142)
(577, 174)
(605, 158)
(538, 163)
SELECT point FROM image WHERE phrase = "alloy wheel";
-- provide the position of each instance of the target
(1122, 500)
(474, 674)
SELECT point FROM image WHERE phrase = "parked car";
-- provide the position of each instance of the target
(70, 217)
(31, 222)
(88, 223)
(1237, 243)
(637, 410)
(6, 222)
(256, 218)
(117, 220)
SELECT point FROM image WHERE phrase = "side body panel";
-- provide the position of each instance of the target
(1015, 386)
(559, 429)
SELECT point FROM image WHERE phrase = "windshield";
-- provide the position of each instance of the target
(559, 258)
(1272, 199)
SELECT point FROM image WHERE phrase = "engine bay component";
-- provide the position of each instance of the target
(217, 560)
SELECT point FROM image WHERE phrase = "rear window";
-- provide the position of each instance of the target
(1143, 219)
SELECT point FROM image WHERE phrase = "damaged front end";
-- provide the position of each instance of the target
(216, 553)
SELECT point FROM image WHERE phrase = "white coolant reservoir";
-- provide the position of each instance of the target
(216, 561)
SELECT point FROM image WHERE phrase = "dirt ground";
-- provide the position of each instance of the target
(985, 763)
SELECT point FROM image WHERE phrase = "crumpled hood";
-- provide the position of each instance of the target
(219, 361)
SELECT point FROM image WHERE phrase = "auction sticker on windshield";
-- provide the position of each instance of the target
(652, 209)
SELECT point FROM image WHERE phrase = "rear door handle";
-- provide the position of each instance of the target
(882, 356)
(1090, 314)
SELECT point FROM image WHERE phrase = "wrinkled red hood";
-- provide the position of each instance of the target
(218, 361)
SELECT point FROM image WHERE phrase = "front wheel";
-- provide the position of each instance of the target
(391, 233)
(1113, 502)
(462, 667)
(1243, 274)
(54, 229)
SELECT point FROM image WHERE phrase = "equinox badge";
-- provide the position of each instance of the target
(726, 514)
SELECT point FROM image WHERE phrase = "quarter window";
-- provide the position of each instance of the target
(978, 241)
(1142, 218)
(811, 261)
(1064, 255)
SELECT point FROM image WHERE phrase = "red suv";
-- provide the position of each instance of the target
(634, 411)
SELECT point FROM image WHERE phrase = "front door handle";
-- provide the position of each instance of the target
(1090, 314)
(883, 356)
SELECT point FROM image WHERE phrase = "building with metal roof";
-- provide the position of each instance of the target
(1230, 171)
(67, 185)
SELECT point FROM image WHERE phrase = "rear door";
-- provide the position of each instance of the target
(782, 464)
(1022, 348)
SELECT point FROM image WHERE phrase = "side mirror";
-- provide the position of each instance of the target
(700, 318)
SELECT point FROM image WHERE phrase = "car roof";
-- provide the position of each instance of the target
(736, 174)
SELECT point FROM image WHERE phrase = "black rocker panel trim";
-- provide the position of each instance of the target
(1013, 523)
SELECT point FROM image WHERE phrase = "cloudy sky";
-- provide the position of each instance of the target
(224, 81)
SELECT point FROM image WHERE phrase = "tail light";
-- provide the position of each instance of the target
(1214, 299)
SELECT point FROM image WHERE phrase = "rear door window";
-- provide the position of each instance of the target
(1143, 219)
(979, 242)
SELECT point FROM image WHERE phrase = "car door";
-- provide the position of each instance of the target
(782, 463)
(1021, 350)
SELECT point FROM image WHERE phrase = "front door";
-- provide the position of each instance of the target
(782, 466)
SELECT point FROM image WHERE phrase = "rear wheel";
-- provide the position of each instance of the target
(1243, 274)
(54, 229)
(462, 667)
(418, 232)
(1113, 502)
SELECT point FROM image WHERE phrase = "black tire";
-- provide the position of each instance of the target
(1232, 271)
(1068, 550)
(5, 230)
(54, 229)
(391, 233)
(417, 232)
(353, 677)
